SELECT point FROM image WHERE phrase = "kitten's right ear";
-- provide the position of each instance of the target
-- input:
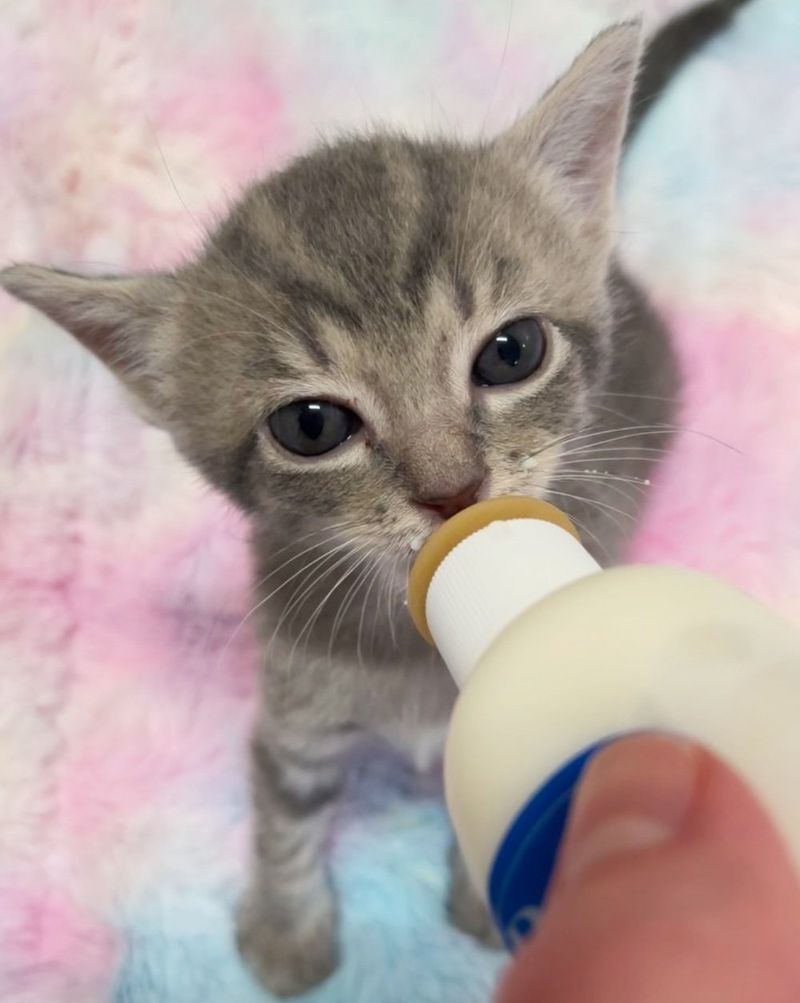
(118, 318)
(574, 134)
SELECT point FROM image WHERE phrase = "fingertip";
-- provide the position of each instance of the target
(634, 795)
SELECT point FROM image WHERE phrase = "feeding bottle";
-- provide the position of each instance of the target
(555, 657)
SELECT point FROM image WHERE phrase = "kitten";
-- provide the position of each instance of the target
(379, 334)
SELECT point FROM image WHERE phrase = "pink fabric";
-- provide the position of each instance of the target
(126, 689)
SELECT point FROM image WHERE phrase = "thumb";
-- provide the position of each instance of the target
(672, 887)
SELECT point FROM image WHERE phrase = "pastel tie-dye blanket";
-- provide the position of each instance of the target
(124, 695)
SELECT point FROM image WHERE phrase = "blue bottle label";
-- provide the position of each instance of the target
(526, 858)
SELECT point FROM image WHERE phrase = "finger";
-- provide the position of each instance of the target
(672, 887)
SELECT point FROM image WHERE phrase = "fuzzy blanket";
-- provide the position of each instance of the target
(125, 692)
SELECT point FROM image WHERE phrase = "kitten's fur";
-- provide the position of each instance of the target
(371, 272)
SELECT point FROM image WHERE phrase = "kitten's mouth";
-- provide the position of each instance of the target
(491, 489)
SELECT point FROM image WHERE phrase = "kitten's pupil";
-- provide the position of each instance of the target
(509, 349)
(311, 428)
(312, 421)
(511, 355)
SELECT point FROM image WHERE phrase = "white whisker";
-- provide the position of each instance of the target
(604, 507)
(391, 601)
(345, 605)
(608, 484)
(584, 529)
(257, 606)
(317, 580)
(313, 571)
(309, 626)
(364, 608)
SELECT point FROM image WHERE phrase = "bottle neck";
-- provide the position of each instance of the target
(490, 578)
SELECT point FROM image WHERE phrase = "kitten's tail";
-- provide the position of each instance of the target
(672, 47)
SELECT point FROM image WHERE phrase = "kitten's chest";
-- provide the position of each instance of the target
(421, 742)
(414, 719)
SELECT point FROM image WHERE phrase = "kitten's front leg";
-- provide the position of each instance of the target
(465, 907)
(286, 925)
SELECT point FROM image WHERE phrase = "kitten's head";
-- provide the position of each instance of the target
(386, 328)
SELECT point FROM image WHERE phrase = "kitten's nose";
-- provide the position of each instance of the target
(447, 507)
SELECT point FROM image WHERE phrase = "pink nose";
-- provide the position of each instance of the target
(447, 507)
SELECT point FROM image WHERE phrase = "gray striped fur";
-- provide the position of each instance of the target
(371, 271)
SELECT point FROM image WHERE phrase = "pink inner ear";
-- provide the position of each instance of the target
(593, 159)
(113, 317)
(577, 128)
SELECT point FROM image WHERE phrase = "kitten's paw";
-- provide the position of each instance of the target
(288, 956)
(468, 914)
(465, 908)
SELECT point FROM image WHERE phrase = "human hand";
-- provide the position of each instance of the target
(672, 887)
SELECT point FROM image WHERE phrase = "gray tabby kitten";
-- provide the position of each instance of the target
(378, 335)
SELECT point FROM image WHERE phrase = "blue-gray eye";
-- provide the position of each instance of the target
(511, 355)
(311, 427)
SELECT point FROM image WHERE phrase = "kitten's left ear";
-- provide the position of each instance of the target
(119, 318)
(574, 134)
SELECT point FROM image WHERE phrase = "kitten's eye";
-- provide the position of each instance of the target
(511, 355)
(311, 428)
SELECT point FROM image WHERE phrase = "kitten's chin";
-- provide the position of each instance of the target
(416, 543)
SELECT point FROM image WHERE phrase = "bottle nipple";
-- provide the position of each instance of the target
(453, 532)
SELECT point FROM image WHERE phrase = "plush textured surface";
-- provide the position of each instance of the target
(125, 690)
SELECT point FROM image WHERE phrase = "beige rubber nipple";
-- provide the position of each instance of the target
(458, 528)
